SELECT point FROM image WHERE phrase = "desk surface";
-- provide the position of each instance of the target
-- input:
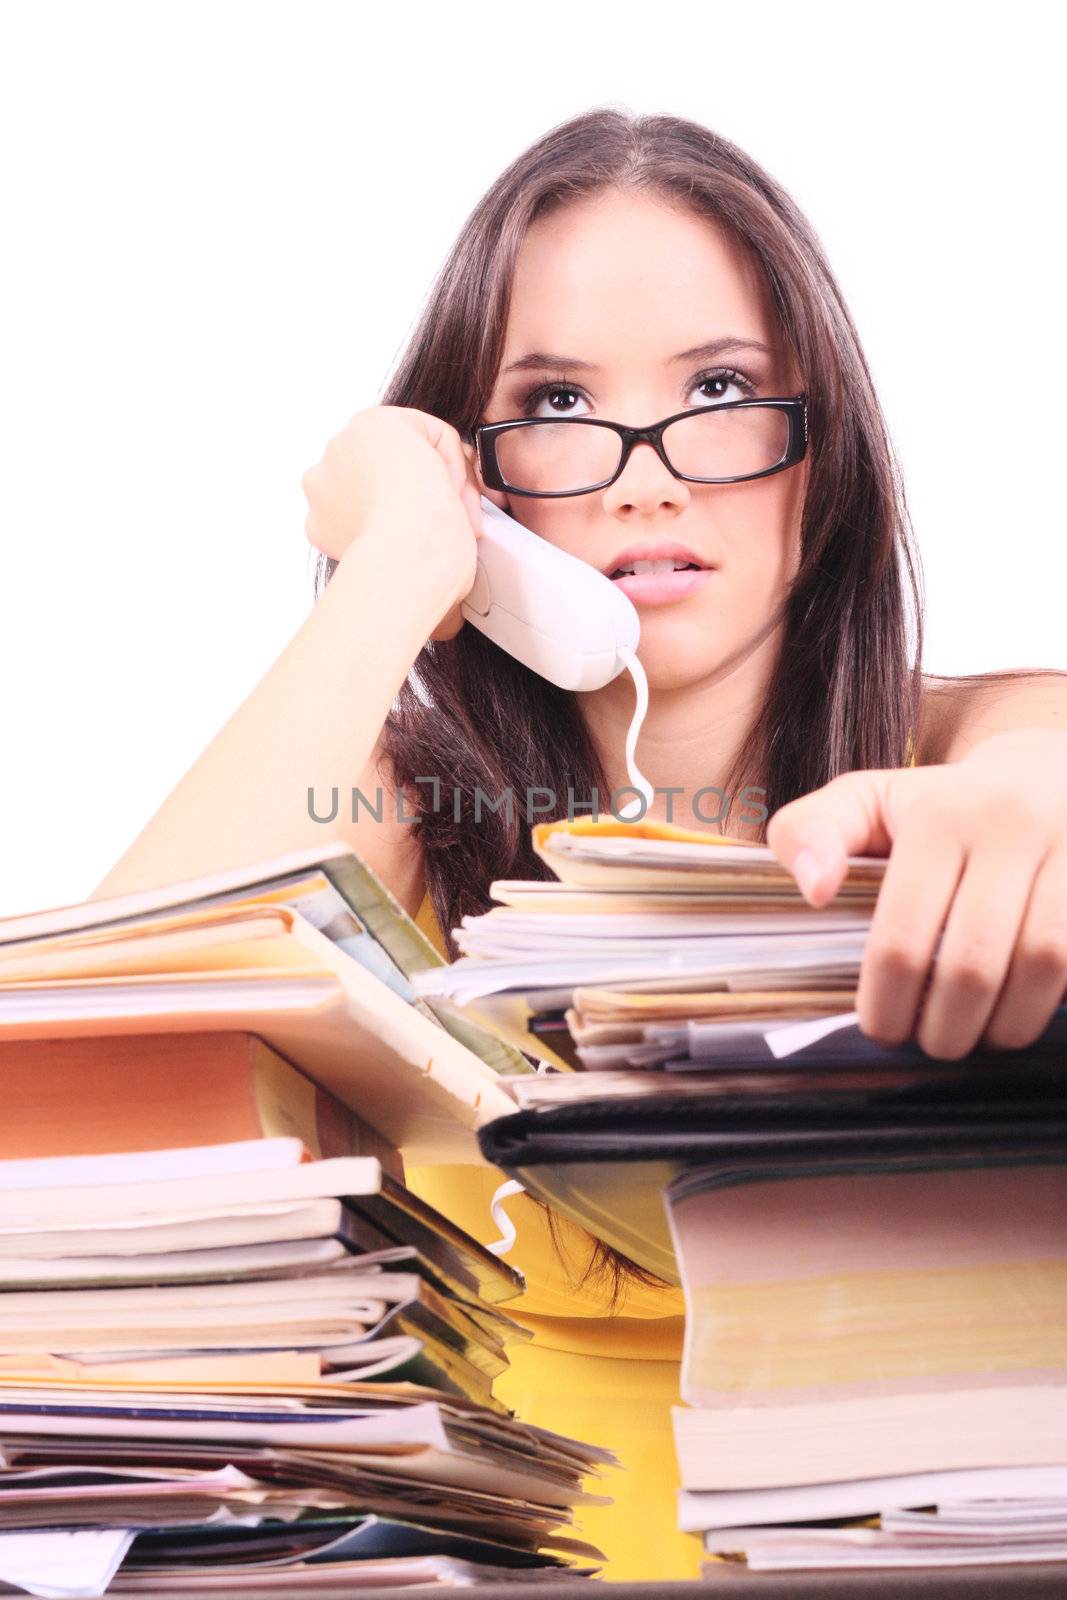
(1039, 1581)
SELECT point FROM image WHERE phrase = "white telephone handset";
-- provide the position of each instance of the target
(556, 614)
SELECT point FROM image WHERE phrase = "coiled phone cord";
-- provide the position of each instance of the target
(502, 1245)
(639, 781)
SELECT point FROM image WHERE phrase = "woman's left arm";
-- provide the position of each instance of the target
(977, 847)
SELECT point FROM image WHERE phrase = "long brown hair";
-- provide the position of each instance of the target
(844, 693)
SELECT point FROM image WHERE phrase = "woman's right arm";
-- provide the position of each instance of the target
(394, 501)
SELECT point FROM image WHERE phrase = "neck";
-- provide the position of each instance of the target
(689, 741)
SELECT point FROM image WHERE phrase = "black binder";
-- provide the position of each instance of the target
(605, 1162)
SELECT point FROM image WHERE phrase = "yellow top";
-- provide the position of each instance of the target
(609, 1379)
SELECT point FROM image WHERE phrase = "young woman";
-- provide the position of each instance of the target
(634, 270)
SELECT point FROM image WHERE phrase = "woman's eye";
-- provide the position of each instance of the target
(563, 400)
(716, 386)
(556, 400)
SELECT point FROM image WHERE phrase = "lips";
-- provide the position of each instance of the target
(652, 552)
(662, 588)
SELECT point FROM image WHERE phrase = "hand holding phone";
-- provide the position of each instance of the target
(556, 614)
(399, 483)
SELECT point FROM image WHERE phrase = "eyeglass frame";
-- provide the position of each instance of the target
(486, 435)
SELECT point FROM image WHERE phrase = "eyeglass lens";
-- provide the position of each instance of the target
(705, 444)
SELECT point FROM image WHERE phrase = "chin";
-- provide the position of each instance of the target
(676, 667)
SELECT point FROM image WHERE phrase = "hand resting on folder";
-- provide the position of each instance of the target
(977, 868)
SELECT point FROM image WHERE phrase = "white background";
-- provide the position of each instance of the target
(220, 220)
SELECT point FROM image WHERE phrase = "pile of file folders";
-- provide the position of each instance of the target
(871, 1241)
(233, 1367)
(238, 1354)
(708, 1009)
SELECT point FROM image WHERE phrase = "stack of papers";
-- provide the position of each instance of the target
(647, 909)
(875, 1362)
(231, 1367)
(241, 1361)
(870, 1241)
(705, 1010)
(309, 952)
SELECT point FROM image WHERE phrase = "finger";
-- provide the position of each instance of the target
(976, 946)
(472, 505)
(913, 903)
(312, 529)
(476, 488)
(449, 446)
(813, 836)
(458, 453)
(317, 539)
(448, 626)
(1037, 979)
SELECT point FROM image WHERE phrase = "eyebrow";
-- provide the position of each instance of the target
(699, 352)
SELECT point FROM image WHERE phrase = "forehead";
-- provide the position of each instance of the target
(618, 275)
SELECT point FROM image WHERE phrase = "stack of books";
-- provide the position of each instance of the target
(236, 1352)
(870, 1240)
(310, 952)
(875, 1363)
(701, 1003)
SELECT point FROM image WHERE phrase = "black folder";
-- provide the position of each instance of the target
(605, 1162)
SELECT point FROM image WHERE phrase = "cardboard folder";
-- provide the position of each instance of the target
(264, 970)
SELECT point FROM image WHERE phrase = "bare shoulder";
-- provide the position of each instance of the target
(956, 712)
(943, 703)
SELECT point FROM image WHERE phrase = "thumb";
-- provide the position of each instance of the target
(813, 836)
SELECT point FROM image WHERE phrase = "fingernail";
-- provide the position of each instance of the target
(807, 870)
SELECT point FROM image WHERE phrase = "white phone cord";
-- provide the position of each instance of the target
(637, 672)
(502, 1245)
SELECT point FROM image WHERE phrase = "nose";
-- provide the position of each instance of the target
(645, 485)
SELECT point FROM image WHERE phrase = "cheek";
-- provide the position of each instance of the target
(763, 523)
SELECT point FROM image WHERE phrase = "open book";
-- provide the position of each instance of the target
(309, 951)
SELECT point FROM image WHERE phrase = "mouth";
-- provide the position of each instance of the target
(656, 574)
(654, 561)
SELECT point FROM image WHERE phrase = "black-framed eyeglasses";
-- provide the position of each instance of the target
(727, 443)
